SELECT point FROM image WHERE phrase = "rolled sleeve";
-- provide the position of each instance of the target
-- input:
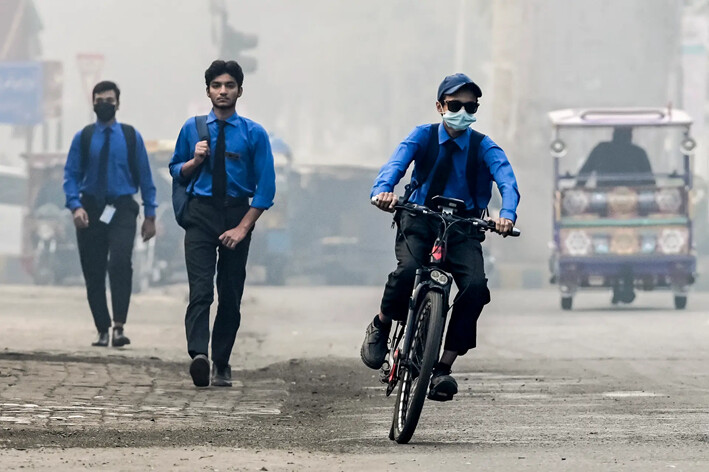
(504, 177)
(147, 186)
(264, 171)
(72, 174)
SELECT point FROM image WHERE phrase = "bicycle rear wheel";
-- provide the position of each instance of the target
(415, 375)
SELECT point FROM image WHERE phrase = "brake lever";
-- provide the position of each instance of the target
(492, 227)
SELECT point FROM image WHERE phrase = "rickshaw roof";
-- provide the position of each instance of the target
(609, 117)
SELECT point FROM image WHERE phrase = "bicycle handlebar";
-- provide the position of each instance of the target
(481, 224)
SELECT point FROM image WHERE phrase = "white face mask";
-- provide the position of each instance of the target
(459, 120)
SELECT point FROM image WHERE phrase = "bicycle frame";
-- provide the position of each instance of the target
(422, 284)
(422, 332)
(428, 277)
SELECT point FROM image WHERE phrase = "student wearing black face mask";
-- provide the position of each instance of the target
(107, 164)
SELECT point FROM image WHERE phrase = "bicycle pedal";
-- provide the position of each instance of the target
(385, 372)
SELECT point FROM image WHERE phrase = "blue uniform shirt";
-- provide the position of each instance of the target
(249, 161)
(497, 168)
(120, 179)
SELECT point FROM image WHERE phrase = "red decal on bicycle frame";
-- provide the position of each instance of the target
(392, 373)
(438, 253)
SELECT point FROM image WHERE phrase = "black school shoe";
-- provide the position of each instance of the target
(443, 386)
(102, 340)
(221, 376)
(199, 370)
(119, 339)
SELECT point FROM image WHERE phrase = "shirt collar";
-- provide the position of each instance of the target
(102, 126)
(232, 120)
(461, 141)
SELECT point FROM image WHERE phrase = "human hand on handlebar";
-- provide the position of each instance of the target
(386, 201)
(503, 225)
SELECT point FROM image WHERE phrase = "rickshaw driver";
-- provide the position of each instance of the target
(610, 159)
(618, 162)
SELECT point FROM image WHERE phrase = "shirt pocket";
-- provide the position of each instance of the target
(237, 164)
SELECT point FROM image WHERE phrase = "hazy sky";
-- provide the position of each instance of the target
(345, 81)
(341, 81)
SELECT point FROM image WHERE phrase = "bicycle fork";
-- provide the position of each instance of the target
(427, 278)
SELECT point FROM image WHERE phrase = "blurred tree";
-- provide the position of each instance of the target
(19, 30)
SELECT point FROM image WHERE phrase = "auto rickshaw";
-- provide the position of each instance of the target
(622, 215)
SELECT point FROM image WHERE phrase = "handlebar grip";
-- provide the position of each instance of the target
(374, 200)
(491, 226)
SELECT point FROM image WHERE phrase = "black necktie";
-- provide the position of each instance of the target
(219, 171)
(102, 181)
(442, 173)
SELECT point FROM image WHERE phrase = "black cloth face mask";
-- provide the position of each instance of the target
(105, 111)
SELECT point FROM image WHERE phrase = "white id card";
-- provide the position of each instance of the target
(107, 214)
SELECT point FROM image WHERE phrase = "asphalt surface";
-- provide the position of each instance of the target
(596, 388)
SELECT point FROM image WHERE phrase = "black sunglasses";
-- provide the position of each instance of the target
(456, 105)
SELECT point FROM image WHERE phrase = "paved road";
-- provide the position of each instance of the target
(591, 389)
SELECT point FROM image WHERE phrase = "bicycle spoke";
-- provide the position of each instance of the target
(416, 367)
(419, 340)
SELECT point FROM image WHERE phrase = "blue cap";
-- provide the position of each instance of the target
(454, 82)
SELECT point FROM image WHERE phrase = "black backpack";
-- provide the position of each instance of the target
(129, 134)
(425, 164)
(180, 197)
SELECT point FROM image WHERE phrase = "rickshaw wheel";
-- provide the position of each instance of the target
(566, 303)
(680, 302)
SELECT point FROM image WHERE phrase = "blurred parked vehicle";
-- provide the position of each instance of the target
(13, 194)
(49, 251)
(336, 237)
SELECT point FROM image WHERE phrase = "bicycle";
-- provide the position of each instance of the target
(410, 365)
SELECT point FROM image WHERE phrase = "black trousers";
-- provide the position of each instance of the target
(464, 261)
(108, 247)
(204, 224)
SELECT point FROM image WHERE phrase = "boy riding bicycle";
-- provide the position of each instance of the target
(457, 162)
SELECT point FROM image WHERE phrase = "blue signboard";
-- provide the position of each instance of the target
(21, 92)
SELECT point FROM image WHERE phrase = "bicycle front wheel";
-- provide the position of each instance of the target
(416, 374)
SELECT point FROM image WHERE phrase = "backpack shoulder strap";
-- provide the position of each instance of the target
(474, 146)
(131, 144)
(200, 122)
(473, 164)
(85, 140)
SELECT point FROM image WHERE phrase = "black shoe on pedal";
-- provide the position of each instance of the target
(443, 386)
(374, 348)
